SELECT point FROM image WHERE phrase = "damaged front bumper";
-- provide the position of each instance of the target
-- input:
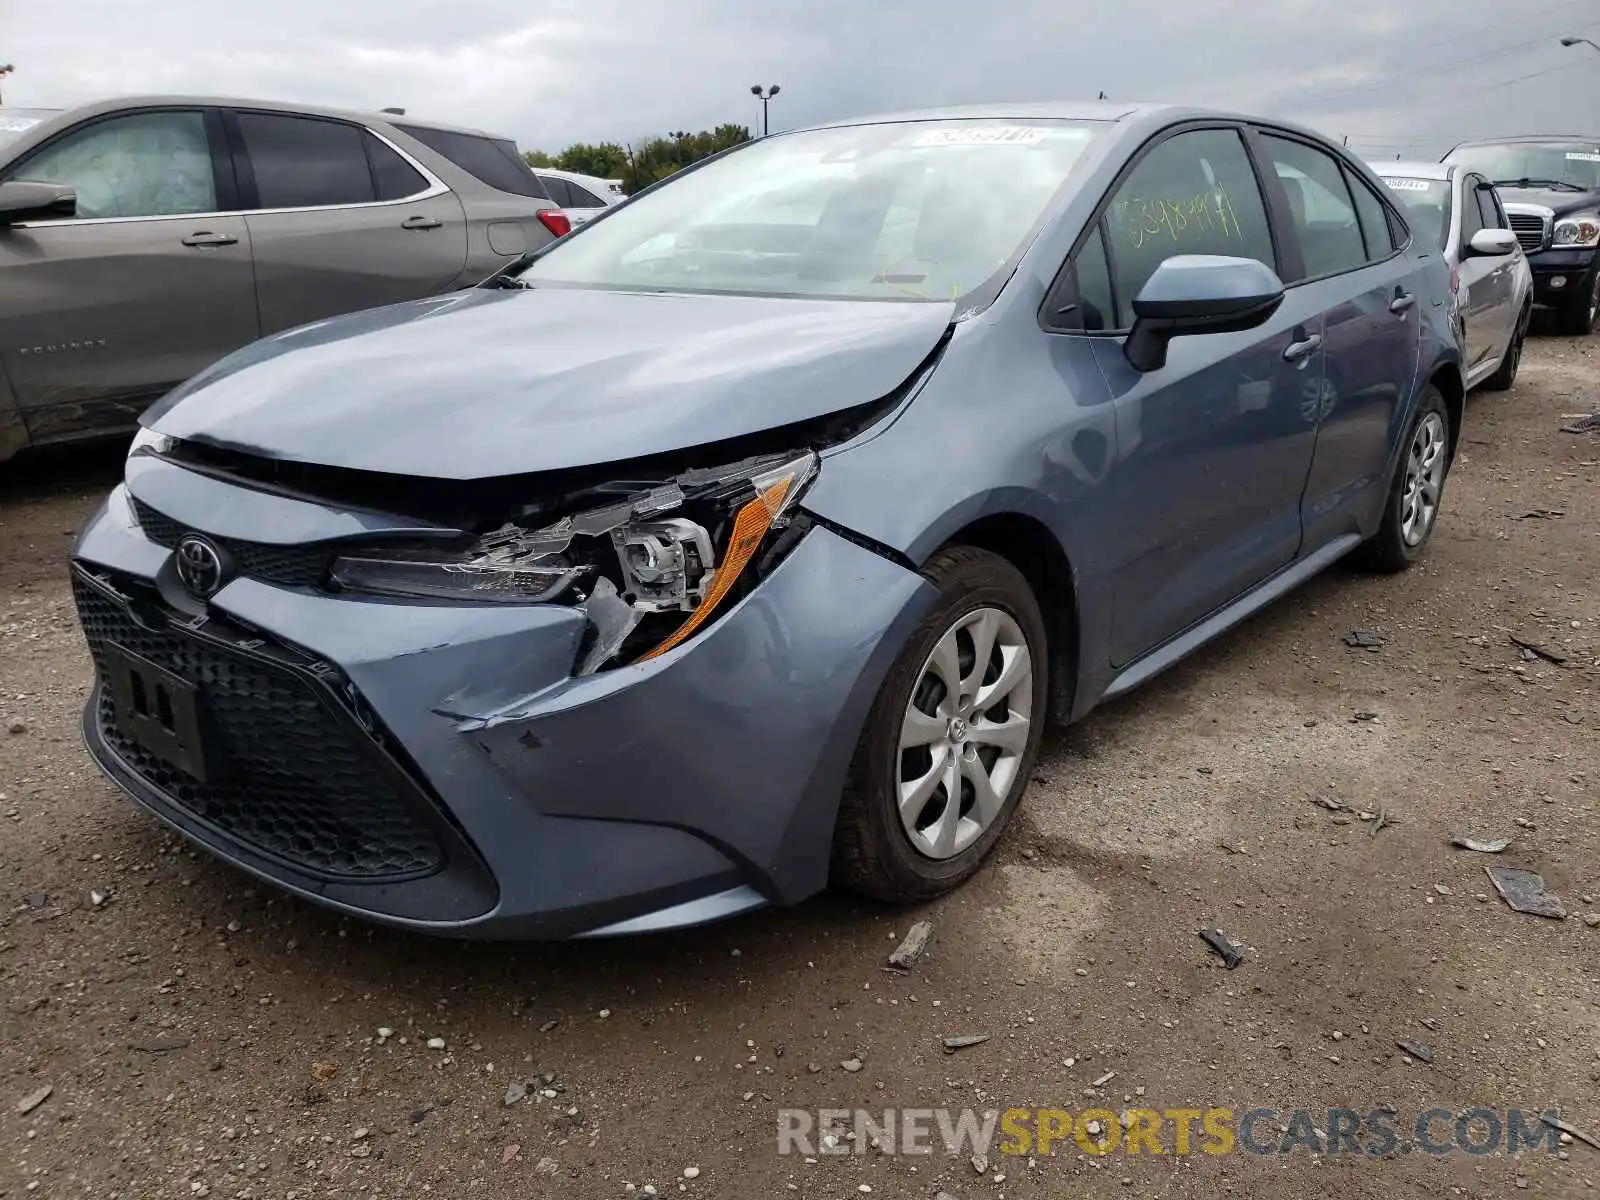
(442, 766)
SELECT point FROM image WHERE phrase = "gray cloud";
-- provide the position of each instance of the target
(1398, 76)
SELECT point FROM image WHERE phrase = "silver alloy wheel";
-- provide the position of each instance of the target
(1424, 480)
(964, 732)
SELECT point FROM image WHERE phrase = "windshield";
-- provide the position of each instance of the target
(14, 122)
(1564, 166)
(1427, 205)
(911, 211)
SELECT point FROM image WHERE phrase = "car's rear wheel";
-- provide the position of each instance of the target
(950, 742)
(1416, 493)
(1506, 374)
(1580, 315)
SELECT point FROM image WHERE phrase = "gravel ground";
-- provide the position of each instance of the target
(204, 1036)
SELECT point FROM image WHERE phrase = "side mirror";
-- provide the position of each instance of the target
(23, 200)
(1199, 293)
(1492, 243)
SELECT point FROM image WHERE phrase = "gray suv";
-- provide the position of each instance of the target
(143, 239)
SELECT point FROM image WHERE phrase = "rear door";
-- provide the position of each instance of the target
(340, 219)
(1213, 448)
(1478, 293)
(102, 313)
(1370, 295)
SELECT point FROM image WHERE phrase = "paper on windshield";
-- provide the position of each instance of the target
(984, 135)
(1580, 156)
(1409, 185)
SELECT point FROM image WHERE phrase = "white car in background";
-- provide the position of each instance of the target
(1459, 211)
(581, 197)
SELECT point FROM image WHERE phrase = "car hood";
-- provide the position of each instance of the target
(1558, 202)
(498, 381)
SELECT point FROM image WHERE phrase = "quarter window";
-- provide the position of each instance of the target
(582, 197)
(492, 161)
(304, 162)
(1320, 206)
(1195, 193)
(556, 189)
(1374, 219)
(149, 164)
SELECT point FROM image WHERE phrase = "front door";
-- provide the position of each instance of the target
(102, 313)
(1484, 293)
(339, 219)
(1213, 448)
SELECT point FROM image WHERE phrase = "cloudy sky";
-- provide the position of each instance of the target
(1395, 75)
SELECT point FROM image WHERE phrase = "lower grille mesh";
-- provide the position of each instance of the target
(304, 785)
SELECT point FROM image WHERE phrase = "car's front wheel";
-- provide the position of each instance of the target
(1506, 374)
(950, 741)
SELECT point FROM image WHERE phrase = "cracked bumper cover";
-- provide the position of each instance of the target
(657, 795)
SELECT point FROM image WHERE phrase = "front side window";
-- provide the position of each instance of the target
(1428, 206)
(1471, 214)
(913, 211)
(304, 162)
(1195, 193)
(1320, 206)
(141, 165)
(1558, 165)
(1489, 207)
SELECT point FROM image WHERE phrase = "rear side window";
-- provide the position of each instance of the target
(393, 176)
(1195, 193)
(556, 189)
(1374, 218)
(582, 197)
(1324, 215)
(304, 162)
(491, 161)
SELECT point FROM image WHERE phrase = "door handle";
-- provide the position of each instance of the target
(421, 222)
(1300, 351)
(210, 239)
(1401, 302)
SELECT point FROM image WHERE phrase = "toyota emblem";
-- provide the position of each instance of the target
(201, 566)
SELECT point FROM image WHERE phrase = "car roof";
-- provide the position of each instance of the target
(1059, 110)
(575, 176)
(1528, 137)
(1414, 170)
(116, 103)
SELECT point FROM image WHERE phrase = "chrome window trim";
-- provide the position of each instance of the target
(436, 187)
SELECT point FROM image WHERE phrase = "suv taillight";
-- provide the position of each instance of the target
(556, 222)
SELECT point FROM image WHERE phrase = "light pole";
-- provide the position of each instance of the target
(5, 70)
(1572, 41)
(765, 96)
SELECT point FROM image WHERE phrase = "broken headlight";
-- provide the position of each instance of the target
(649, 564)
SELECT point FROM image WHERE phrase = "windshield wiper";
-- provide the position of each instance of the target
(1559, 185)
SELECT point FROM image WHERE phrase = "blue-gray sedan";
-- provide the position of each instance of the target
(748, 538)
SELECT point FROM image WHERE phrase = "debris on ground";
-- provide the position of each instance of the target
(1104, 1079)
(1420, 1051)
(962, 1041)
(1331, 803)
(1540, 514)
(852, 1065)
(1570, 1130)
(98, 898)
(33, 1099)
(1539, 649)
(1356, 718)
(322, 1072)
(1588, 423)
(515, 1092)
(1572, 717)
(1384, 821)
(916, 941)
(980, 1163)
(1218, 941)
(166, 1043)
(548, 1026)
(1480, 845)
(1524, 892)
(1361, 639)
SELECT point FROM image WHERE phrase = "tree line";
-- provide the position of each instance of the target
(639, 165)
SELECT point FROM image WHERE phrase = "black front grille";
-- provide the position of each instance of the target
(300, 780)
(293, 566)
(1529, 228)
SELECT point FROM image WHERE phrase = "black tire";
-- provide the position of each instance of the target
(1506, 374)
(1387, 550)
(1578, 317)
(872, 852)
